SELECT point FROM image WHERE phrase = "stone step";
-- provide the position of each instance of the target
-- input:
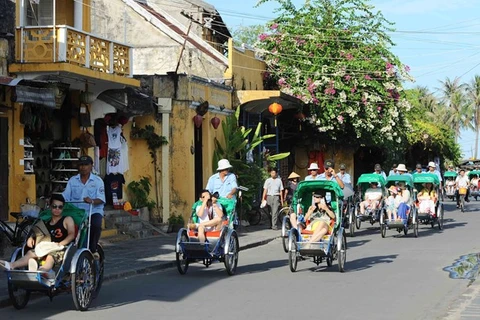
(131, 226)
(108, 233)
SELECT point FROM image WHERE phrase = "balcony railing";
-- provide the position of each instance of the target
(65, 44)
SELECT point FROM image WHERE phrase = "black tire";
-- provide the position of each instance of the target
(99, 271)
(462, 204)
(351, 224)
(440, 218)
(415, 228)
(405, 230)
(292, 252)
(83, 281)
(254, 217)
(358, 222)
(342, 255)
(383, 229)
(182, 261)
(19, 297)
(23, 232)
(231, 258)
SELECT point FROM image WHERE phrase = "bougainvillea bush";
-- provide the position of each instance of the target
(335, 56)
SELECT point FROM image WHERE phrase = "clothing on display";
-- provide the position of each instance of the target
(115, 160)
(113, 184)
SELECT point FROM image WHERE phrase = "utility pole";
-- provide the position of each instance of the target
(183, 46)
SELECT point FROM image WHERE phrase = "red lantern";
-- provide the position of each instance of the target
(275, 109)
(215, 122)
(198, 119)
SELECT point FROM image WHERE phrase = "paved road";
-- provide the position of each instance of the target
(398, 277)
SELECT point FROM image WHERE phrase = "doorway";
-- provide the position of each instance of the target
(4, 169)
(365, 159)
(198, 147)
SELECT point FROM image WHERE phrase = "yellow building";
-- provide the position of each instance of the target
(60, 69)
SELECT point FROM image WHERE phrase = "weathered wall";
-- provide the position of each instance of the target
(154, 51)
(244, 70)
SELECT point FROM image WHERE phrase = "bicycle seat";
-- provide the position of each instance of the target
(16, 215)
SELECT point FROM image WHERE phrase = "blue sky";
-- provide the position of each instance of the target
(436, 38)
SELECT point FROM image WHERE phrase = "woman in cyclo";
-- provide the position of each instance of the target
(61, 231)
(405, 202)
(392, 203)
(320, 214)
(209, 213)
(427, 198)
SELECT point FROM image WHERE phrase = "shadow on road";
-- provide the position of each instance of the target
(262, 267)
(356, 243)
(368, 262)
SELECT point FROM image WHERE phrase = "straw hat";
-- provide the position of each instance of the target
(401, 167)
(224, 164)
(393, 189)
(293, 175)
(313, 166)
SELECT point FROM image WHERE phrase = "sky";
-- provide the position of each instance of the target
(436, 38)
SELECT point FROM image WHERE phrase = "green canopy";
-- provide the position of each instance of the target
(426, 178)
(450, 174)
(368, 178)
(227, 204)
(473, 172)
(407, 179)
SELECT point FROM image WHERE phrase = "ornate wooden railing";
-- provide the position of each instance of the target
(66, 44)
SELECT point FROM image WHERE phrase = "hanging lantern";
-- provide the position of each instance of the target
(215, 122)
(198, 119)
(275, 109)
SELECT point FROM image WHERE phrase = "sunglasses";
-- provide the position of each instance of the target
(317, 196)
(54, 206)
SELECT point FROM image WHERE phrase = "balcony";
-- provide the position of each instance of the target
(63, 48)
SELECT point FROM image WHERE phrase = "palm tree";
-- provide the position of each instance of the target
(453, 97)
(474, 97)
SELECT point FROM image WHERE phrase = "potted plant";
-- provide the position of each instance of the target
(175, 223)
(138, 194)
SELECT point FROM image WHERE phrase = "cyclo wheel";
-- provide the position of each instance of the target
(440, 217)
(18, 296)
(351, 224)
(358, 222)
(286, 226)
(292, 251)
(100, 267)
(383, 229)
(415, 224)
(23, 231)
(83, 281)
(182, 261)
(342, 254)
(462, 203)
(231, 257)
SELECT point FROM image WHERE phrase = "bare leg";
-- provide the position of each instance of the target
(23, 262)
(201, 233)
(319, 232)
(48, 265)
(293, 220)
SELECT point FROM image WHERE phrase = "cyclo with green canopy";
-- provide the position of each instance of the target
(221, 245)
(410, 218)
(425, 217)
(79, 273)
(449, 191)
(474, 192)
(363, 184)
(333, 245)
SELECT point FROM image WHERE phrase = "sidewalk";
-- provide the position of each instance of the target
(139, 256)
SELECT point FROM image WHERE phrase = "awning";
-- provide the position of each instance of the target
(259, 105)
(130, 101)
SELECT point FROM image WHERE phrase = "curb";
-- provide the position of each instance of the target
(5, 300)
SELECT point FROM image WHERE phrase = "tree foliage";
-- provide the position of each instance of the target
(248, 34)
(335, 56)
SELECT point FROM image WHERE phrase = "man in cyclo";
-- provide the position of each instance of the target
(58, 232)
(427, 199)
(209, 213)
(373, 197)
(328, 174)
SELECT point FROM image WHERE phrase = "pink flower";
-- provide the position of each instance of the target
(348, 77)
(379, 109)
(311, 86)
(389, 66)
(274, 26)
(407, 68)
(300, 42)
(282, 82)
(263, 37)
(349, 56)
(340, 118)
(367, 77)
(353, 89)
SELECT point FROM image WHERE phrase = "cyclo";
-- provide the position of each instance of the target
(371, 214)
(220, 246)
(411, 219)
(333, 245)
(449, 191)
(79, 272)
(474, 190)
(435, 217)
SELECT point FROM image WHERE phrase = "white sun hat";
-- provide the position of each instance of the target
(313, 166)
(432, 164)
(401, 167)
(224, 164)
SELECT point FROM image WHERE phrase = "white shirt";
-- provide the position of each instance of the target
(373, 194)
(462, 182)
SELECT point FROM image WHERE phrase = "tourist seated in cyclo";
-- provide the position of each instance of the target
(373, 196)
(209, 213)
(450, 186)
(392, 203)
(319, 217)
(405, 202)
(427, 199)
(474, 183)
(48, 242)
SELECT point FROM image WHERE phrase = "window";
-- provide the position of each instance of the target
(39, 14)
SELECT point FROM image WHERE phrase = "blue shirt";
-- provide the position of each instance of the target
(76, 191)
(215, 184)
(322, 176)
(310, 177)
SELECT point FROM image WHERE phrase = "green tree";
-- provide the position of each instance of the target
(248, 34)
(335, 56)
(474, 97)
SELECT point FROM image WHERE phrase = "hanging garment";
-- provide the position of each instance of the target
(113, 184)
(114, 159)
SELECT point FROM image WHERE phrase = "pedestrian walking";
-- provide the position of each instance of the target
(273, 193)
